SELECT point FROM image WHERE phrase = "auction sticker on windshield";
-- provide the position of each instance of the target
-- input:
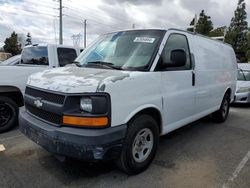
(144, 39)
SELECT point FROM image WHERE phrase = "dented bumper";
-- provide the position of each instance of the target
(85, 144)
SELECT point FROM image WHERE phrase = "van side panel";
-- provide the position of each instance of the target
(215, 72)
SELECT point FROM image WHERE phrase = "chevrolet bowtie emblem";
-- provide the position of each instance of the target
(38, 103)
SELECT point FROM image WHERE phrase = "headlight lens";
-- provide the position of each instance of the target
(243, 90)
(86, 104)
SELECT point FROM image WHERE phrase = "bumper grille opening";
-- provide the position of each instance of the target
(51, 97)
(47, 116)
(243, 99)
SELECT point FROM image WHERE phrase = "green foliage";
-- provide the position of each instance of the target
(248, 46)
(237, 31)
(11, 45)
(204, 25)
(28, 39)
(218, 32)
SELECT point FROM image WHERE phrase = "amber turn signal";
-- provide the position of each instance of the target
(85, 121)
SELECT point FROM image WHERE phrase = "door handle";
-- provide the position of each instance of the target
(193, 78)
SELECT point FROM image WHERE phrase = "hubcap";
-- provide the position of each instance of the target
(5, 114)
(142, 145)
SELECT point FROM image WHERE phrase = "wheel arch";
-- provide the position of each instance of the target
(151, 110)
(12, 92)
(229, 91)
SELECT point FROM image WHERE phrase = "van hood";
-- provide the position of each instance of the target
(73, 79)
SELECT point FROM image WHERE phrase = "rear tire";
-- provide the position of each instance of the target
(8, 114)
(221, 115)
(140, 145)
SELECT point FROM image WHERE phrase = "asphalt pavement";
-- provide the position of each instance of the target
(202, 154)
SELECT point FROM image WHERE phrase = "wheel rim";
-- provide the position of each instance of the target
(225, 108)
(6, 113)
(142, 145)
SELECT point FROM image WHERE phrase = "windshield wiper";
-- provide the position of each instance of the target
(77, 63)
(104, 64)
(243, 74)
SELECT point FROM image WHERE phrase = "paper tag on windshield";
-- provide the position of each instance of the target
(144, 39)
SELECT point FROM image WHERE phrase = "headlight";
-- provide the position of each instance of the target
(92, 110)
(243, 90)
(86, 104)
(94, 104)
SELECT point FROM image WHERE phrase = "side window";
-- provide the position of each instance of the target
(175, 42)
(35, 55)
(66, 56)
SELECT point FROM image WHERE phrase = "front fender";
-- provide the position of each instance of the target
(139, 109)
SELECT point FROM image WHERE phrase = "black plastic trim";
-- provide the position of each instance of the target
(88, 144)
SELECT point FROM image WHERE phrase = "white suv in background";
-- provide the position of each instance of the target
(34, 58)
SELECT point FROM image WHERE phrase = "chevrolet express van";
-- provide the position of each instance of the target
(124, 91)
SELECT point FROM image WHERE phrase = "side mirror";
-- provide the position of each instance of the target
(178, 58)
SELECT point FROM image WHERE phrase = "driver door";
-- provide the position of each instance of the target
(178, 89)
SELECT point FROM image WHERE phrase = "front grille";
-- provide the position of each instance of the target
(47, 116)
(51, 97)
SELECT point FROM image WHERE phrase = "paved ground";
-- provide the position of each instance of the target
(203, 154)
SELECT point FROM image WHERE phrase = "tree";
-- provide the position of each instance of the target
(28, 40)
(237, 31)
(11, 45)
(248, 46)
(204, 24)
(218, 32)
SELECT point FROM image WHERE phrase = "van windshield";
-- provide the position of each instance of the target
(127, 50)
(35, 55)
(243, 75)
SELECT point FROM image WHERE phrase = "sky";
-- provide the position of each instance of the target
(41, 18)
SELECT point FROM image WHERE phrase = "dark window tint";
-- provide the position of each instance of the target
(35, 55)
(66, 56)
(176, 41)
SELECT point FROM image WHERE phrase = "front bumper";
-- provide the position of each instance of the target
(85, 144)
(242, 97)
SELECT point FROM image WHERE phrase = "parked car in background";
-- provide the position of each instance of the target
(242, 94)
(126, 90)
(14, 60)
(13, 79)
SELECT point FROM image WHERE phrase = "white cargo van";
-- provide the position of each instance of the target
(126, 90)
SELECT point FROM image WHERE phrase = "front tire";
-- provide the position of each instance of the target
(140, 145)
(8, 114)
(221, 115)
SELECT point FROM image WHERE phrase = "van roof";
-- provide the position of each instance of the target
(175, 29)
(194, 33)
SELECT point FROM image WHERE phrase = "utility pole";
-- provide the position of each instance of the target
(85, 33)
(60, 24)
(195, 22)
